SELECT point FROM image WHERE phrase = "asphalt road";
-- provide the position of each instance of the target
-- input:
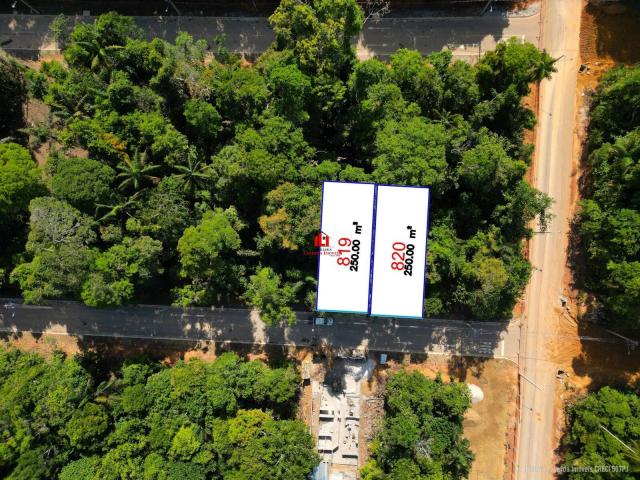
(435, 337)
(23, 35)
(553, 171)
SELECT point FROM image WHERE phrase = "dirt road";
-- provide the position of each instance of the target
(554, 151)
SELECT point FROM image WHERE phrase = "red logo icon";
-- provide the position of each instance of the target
(321, 240)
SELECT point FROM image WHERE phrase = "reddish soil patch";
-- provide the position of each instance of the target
(45, 345)
(611, 33)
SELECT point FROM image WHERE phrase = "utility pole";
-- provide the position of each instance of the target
(32, 10)
(487, 5)
(173, 5)
(629, 341)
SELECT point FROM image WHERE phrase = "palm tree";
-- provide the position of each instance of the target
(68, 107)
(136, 172)
(543, 69)
(98, 53)
(194, 174)
(445, 117)
(114, 210)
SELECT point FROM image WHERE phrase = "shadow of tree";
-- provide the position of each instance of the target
(460, 367)
(612, 31)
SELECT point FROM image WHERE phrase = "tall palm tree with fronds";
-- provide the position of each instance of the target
(135, 173)
(543, 68)
(194, 174)
(67, 107)
(115, 209)
(99, 54)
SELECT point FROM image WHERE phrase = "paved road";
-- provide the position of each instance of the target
(554, 152)
(26, 34)
(437, 337)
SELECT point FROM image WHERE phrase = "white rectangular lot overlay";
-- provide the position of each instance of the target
(400, 248)
(344, 265)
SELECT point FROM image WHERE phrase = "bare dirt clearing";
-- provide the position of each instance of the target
(45, 345)
(610, 32)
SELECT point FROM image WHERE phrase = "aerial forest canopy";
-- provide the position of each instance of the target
(603, 430)
(185, 175)
(609, 219)
(421, 435)
(229, 419)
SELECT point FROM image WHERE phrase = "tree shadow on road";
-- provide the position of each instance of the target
(463, 35)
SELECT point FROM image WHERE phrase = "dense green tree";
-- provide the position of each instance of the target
(291, 88)
(599, 427)
(14, 94)
(292, 216)
(82, 182)
(615, 110)
(319, 33)
(365, 75)
(240, 94)
(94, 45)
(271, 296)
(460, 90)
(275, 445)
(185, 443)
(513, 64)
(204, 119)
(421, 436)
(194, 420)
(86, 426)
(609, 217)
(59, 241)
(37, 396)
(418, 80)
(411, 153)
(164, 213)
(20, 181)
(81, 469)
(382, 101)
(54, 273)
(487, 170)
(120, 93)
(120, 269)
(258, 161)
(208, 257)
(153, 136)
